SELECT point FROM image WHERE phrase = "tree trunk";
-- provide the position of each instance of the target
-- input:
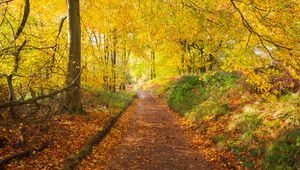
(154, 65)
(114, 64)
(182, 65)
(153, 69)
(10, 94)
(106, 58)
(73, 99)
(124, 62)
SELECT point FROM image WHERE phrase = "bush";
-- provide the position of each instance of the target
(272, 129)
(184, 94)
(220, 80)
(194, 98)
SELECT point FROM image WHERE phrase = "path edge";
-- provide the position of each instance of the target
(73, 160)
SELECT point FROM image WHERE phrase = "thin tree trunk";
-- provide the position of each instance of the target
(153, 71)
(154, 65)
(10, 94)
(17, 56)
(182, 65)
(124, 62)
(105, 67)
(73, 97)
(114, 64)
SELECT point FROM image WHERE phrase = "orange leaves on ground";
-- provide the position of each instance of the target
(219, 159)
(66, 133)
(101, 152)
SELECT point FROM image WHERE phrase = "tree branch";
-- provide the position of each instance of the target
(24, 19)
(261, 37)
(23, 154)
(6, 1)
(35, 99)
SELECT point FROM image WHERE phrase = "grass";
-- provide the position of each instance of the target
(102, 100)
(263, 134)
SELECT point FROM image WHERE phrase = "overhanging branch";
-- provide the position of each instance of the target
(24, 19)
(35, 99)
(261, 37)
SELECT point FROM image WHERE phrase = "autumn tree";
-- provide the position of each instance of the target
(11, 46)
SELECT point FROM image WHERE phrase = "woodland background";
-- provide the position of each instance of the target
(237, 62)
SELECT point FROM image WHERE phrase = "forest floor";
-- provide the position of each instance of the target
(66, 134)
(150, 136)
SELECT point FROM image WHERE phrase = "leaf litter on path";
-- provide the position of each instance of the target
(149, 136)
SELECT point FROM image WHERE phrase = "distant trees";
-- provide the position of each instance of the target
(108, 42)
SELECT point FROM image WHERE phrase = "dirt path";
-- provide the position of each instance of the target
(153, 140)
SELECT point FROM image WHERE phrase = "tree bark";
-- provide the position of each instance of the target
(24, 19)
(10, 94)
(73, 97)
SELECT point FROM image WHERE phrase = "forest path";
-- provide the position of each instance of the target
(152, 140)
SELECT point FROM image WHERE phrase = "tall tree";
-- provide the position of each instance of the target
(73, 98)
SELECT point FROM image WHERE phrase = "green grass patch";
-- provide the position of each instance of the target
(184, 94)
(102, 100)
(195, 98)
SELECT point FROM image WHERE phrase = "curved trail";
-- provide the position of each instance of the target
(154, 140)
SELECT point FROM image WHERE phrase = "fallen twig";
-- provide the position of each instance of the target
(23, 154)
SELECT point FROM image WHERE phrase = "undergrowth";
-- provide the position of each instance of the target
(103, 100)
(194, 98)
(262, 134)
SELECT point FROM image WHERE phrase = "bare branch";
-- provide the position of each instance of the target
(24, 19)
(60, 27)
(5, 1)
(35, 99)
(261, 37)
(17, 57)
(3, 14)
(247, 45)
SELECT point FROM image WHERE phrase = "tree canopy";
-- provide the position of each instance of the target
(127, 40)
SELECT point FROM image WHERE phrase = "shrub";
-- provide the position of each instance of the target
(284, 153)
(194, 98)
(184, 94)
